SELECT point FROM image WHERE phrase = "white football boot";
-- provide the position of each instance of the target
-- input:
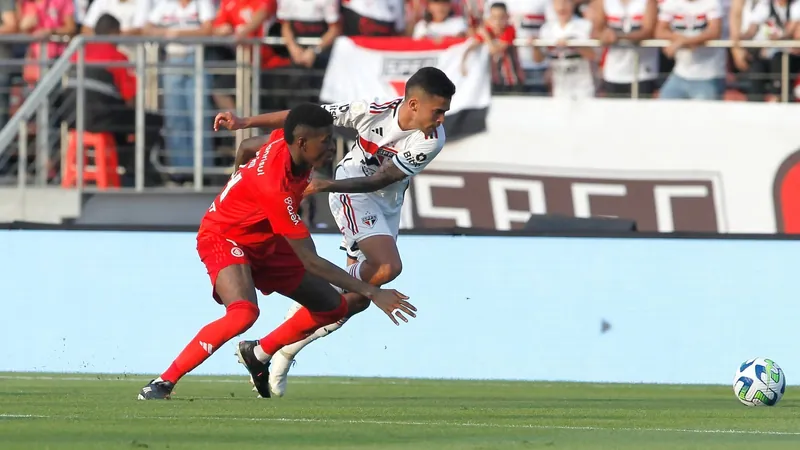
(279, 373)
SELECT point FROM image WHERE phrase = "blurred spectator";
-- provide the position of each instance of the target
(570, 68)
(109, 101)
(373, 17)
(633, 21)
(123, 10)
(8, 25)
(318, 18)
(44, 18)
(528, 16)
(498, 34)
(699, 72)
(440, 21)
(765, 20)
(172, 19)
(243, 19)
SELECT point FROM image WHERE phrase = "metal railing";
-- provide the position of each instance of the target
(248, 95)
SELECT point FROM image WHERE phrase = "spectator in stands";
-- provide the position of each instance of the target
(319, 19)
(528, 16)
(498, 34)
(244, 19)
(699, 72)
(633, 21)
(765, 20)
(373, 18)
(570, 68)
(8, 25)
(172, 19)
(124, 11)
(43, 18)
(439, 22)
(109, 101)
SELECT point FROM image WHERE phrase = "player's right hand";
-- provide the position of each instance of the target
(394, 303)
(229, 121)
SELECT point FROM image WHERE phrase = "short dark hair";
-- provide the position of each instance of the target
(432, 81)
(500, 5)
(308, 115)
(107, 24)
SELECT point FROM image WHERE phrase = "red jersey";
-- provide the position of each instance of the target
(237, 13)
(508, 35)
(261, 201)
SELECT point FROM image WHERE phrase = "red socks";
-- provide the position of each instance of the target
(239, 316)
(300, 326)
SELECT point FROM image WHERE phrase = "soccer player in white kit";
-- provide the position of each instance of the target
(396, 140)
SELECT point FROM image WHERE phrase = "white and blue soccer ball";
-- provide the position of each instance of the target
(759, 382)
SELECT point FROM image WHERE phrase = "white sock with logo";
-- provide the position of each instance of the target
(292, 350)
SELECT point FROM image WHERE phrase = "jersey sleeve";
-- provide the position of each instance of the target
(283, 211)
(416, 157)
(348, 114)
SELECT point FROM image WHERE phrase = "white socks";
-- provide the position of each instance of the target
(261, 355)
(355, 270)
(293, 349)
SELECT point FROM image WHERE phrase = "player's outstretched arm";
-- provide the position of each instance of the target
(388, 300)
(386, 175)
(230, 121)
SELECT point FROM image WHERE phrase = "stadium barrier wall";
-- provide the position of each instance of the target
(532, 308)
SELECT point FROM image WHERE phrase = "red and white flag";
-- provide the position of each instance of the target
(378, 67)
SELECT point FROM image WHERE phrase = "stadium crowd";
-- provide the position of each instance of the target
(684, 69)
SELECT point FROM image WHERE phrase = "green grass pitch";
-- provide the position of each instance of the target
(44, 411)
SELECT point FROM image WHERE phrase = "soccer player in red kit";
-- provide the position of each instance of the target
(252, 238)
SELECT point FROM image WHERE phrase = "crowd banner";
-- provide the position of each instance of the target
(722, 167)
(369, 68)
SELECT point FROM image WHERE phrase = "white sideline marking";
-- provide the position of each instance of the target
(477, 425)
(22, 416)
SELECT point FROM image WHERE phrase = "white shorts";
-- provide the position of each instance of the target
(358, 217)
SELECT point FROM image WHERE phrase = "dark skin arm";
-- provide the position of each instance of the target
(229, 121)
(247, 150)
(386, 175)
(388, 300)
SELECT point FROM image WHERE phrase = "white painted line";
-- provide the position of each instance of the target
(474, 425)
(22, 416)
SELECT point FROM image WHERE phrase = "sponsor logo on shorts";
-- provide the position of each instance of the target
(237, 252)
(369, 219)
(290, 209)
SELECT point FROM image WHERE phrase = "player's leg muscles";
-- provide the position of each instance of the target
(234, 287)
(381, 264)
(322, 305)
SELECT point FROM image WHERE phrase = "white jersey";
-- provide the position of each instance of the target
(690, 18)
(572, 74)
(381, 141)
(619, 62)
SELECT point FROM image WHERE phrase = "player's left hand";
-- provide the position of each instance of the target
(394, 304)
(317, 185)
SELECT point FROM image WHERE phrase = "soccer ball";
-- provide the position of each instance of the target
(759, 382)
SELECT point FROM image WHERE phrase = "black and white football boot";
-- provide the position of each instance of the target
(259, 371)
(156, 390)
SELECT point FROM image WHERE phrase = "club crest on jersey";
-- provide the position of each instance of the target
(237, 252)
(369, 219)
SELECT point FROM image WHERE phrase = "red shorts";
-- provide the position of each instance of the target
(274, 266)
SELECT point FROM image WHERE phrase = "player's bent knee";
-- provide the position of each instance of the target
(387, 272)
(244, 313)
